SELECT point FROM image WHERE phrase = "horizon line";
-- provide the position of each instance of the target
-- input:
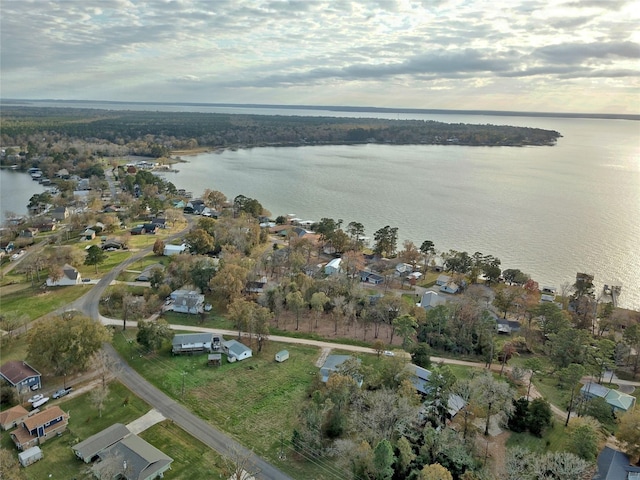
(348, 108)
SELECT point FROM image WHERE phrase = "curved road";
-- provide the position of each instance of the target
(210, 436)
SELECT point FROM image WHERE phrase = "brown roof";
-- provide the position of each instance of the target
(16, 371)
(21, 436)
(43, 417)
(13, 414)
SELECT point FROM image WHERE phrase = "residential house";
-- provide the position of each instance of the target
(139, 230)
(187, 301)
(63, 173)
(150, 228)
(88, 234)
(193, 343)
(174, 249)
(145, 275)
(30, 232)
(112, 245)
(370, 277)
(38, 428)
(160, 222)
(618, 401)
(256, 286)
(431, 300)
(236, 351)
(450, 287)
(88, 449)
(70, 276)
(442, 280)
(420, 377)
(12, 417)
(403, 269)
(21, 375)
(333, 266)
(131, 458)
(332, 365)
(615, 465)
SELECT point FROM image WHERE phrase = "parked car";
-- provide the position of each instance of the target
(35, 398)
(389, 353)
(62, 392)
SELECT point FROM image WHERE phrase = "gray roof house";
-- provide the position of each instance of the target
(132, 459)
(192, 343)
(332, 364)
(618, 401)
(236, 351)
(88, 449)
(431, 299)
(419, 377)
(615, 465)
(70, 276)
(187, 301)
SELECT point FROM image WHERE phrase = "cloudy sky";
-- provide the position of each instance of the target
(564, 56)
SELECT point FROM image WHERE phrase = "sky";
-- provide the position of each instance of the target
(526, 55)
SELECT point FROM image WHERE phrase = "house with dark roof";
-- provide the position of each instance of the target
(12, 417)
(194, 343)
(70, 276)
(131, 458)
(615, 465)
(370, 277)
(145, 275)
(38, 428)
(88, 449)
(431, 300)
(21, 375)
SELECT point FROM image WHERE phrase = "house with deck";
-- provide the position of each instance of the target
(21, 375)
(195, 343)
(38, 428)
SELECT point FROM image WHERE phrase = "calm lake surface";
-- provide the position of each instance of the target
(549, 211)
(16, 188)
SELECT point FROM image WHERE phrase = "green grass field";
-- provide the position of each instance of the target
(38, 302)
(255, 401)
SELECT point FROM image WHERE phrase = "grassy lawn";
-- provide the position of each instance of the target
(191, 458)
(548, 387)
(38, 302)
(59, 460)
(553, 440)
(254, 401)
(136, 268)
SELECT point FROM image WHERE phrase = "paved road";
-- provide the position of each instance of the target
(210, 436)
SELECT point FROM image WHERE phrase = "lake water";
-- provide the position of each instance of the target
(16, 188)
(549, 211)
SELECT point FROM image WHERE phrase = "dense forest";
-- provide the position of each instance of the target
(173, 130)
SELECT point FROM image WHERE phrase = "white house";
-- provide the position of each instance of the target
(187, 301)
(191, 343)
(236, 351)
(70, 276)
(174, 249)
(333, 266)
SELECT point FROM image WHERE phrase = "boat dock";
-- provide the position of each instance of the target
(614, 292)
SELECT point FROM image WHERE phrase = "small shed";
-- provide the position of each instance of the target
(282, 355)
(29, 456)
(214, 359)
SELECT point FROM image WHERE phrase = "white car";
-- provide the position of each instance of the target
(389, 353)
(36, 398)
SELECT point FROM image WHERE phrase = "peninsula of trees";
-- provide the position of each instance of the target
(165, 131)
